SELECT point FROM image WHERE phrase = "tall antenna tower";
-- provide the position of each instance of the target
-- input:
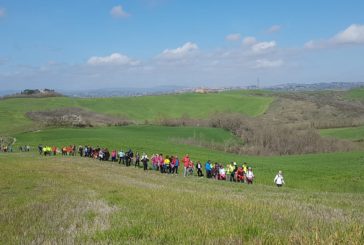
(258, 82)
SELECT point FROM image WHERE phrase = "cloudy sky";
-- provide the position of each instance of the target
(143, 43)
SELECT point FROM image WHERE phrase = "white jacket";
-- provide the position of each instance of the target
(250, 174)
(279, 179)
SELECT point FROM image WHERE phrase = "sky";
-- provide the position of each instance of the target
(78, 45)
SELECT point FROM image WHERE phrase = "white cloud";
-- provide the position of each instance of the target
(315, 44)
(2, 12)
(233, 37)
(249, 41)
(354, 34)
(119, 12)
(113, 59)
(179, 52)
(263, 46)
(274, 28)
(265, 63)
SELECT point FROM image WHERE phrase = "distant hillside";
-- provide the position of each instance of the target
(140, 109)
(34, 93)
(337, 86)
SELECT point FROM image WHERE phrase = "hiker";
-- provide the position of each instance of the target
(145, 161)
(137, 159)
(222, 173)
(113, 156)
(129, 156)
(101, 155)
(239, 175)
(167, 162)
(199, 169)
(40, 149)
(233, 169)
(190, 168)
(54, 150)
(73, 150)
(161, 163)
(245, 168)
(279, 180)
(186, 162)
(172, 163)
(121, 156)
(250, 176)
(176, 165)
(106, 155)
(154, 161)
(208, 169)
(80, 150)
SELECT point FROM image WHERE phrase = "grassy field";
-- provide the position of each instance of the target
(13, 119)
(356, 94)
(354, 133)
(316, 172)
(12, 112)
(67, 200)
(77, 200)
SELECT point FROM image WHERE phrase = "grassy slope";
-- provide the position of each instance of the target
(355, 94)
(318, 172)
(354, 133)
(12, 111)
(62, 199)
(67, 200)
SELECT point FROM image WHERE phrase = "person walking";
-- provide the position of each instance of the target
(186, 163)
(250, 176)
(176, 165)
(145, 161)
(121, 157)
(208, 169)
(279, 180)
(199, 169)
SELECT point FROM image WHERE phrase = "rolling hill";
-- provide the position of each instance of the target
(139, 109)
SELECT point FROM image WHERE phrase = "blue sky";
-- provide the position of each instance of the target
(142, 43)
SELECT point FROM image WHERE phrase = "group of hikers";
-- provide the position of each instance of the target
(165, 164)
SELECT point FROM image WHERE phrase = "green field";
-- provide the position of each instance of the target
(13, 119)
(354, 133)
(317, 172)
(67, 200)
(357, 94)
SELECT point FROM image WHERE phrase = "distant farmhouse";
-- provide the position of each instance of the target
(206, 90)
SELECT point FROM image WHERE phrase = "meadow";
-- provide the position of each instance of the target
(75, 200)
(356, 94)
(67, 200)
(352, 133)
(317, 172)
(139, 109)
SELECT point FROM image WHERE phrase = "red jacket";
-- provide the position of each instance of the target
(186, 161)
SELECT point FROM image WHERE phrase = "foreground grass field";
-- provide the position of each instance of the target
(140, 109)
(316, 172)
(77, 200)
